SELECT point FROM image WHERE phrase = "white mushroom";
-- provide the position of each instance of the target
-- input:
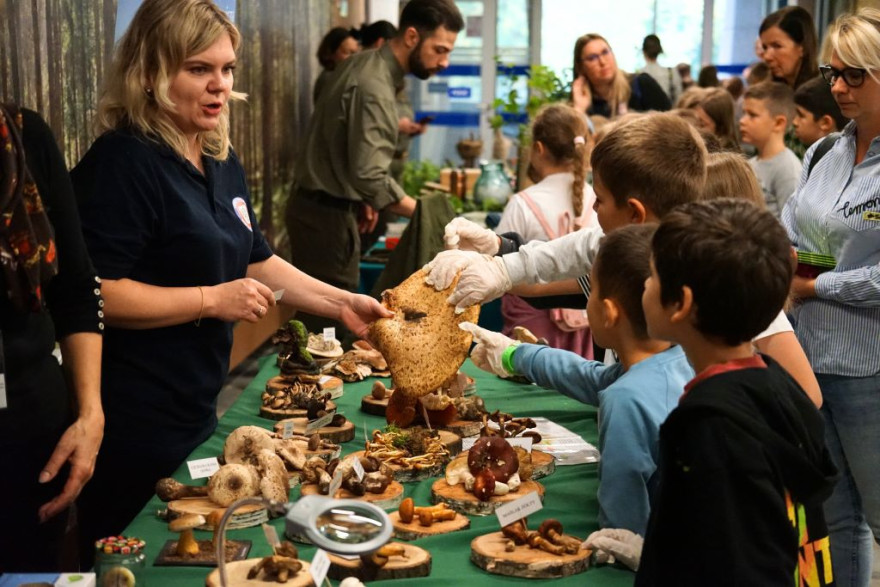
(274, 483)
(245, 443)
(457, 472)
(233, 482)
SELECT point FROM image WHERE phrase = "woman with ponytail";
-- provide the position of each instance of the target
(559, 202)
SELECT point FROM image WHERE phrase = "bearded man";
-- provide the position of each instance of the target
(342, 174)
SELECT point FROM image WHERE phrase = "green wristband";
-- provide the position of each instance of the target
(507, 358)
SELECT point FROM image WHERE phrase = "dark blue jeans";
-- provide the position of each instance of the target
(851, 407)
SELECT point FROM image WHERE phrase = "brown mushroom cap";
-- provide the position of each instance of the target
(186, 522)
(494, 454)
(548, 525)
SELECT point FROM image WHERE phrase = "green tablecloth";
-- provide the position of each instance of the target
(570, 491)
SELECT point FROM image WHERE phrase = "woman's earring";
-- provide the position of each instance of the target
(148, 92)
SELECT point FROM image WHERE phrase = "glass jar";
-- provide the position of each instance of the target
(492, 189)
(120, 562)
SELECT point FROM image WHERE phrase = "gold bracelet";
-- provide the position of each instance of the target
(201, 306)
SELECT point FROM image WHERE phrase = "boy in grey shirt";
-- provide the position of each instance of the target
(767, 111)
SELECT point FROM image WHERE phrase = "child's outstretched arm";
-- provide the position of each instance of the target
(780, 342)
(564, 371)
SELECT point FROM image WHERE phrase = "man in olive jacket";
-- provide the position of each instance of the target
(342, 174)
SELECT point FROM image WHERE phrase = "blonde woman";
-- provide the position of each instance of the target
(168, 222)
(599, 87)
(833, 213)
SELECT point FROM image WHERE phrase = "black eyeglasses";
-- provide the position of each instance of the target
(852, 76)
(594, 56)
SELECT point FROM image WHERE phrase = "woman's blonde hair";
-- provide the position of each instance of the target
(856, 40)
(564, 133)
(162, 35)
(729, 175)
(718, 105)
(620, 87)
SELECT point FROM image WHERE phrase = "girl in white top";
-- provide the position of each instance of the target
(560, 202)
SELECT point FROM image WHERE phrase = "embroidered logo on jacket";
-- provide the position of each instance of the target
(241, 210)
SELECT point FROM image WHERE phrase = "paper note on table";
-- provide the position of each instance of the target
(565, 445)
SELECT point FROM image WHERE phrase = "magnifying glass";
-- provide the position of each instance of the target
(341, 526)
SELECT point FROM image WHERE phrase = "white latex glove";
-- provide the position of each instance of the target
(482, 281)
(443, 268)
(618, 544)
(463, 234)
(490, 346)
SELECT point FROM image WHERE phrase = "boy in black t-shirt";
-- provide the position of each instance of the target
(743, 464)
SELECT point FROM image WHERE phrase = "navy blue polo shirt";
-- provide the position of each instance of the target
(150, 216)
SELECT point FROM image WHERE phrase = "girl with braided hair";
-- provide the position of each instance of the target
(560, 202)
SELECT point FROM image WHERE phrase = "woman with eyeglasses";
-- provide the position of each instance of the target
(599, 87)
(833, 220)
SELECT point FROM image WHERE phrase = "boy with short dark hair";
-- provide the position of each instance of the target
(816, 112)
(743, 464)
(768, 108)
(634, 396)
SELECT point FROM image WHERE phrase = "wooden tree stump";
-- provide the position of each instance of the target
(334, 434)
(416, 562)
(464, 428)
(281, 414)
(413, 530)
(489, 553)
(388, 499)
(543, 464)
(465, 502)
(244, 517)
(236, 573)
(373, 406)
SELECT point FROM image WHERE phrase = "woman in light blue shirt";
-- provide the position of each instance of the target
(835, 216)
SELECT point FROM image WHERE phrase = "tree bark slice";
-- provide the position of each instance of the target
(465, 502)
(244, 517)
(373, 406)
(488, 552)
(414, 530)
(237, 572)
(388, 499)
(416, 562)
(279, 414)
(334, 434)
(543, 464)
(464, 428)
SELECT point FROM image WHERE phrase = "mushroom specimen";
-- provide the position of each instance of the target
(551, 529)
(233, 482)
(426, 515)
(169, 489)
(186, 542)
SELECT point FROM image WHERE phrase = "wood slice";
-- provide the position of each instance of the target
(244, 517)
(451, 440)
(415, 562)
(236, 550)
(414, 530)
(388, 499)
(543, 464)
(405, 475)
(488, 552)
(373, 406)
(334, 434)
(237, 572)
(279, 414)
(464, 427)
(465, 502)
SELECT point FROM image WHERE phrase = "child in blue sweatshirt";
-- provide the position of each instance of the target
(634, 396)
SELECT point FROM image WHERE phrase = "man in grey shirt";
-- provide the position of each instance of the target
(667, 77)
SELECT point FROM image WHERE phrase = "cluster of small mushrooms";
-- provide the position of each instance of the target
(492, 467)
(377, 476)
(278, 567)
(549, 537)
